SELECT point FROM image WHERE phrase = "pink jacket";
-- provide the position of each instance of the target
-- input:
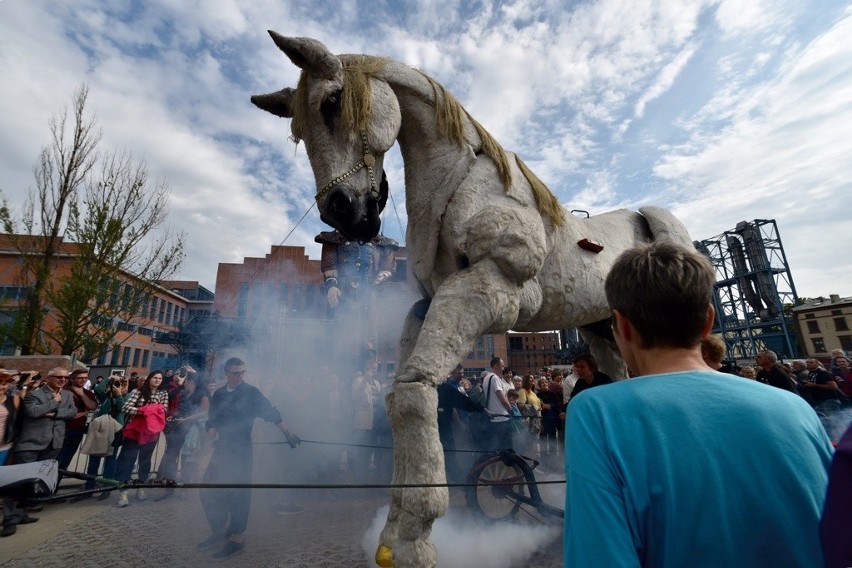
(146, 426)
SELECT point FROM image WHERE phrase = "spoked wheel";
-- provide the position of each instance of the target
(500, 479)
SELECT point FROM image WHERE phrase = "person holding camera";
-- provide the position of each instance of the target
(10, 403)
(111, 394)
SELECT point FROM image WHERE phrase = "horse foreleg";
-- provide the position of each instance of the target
(466, 305)
(389, 535)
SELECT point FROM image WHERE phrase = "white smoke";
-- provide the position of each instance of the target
(466, 543)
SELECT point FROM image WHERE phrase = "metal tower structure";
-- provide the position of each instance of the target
(753, 284)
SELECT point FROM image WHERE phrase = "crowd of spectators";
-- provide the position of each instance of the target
(115, 422)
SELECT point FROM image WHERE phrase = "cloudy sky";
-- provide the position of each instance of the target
(720, 110)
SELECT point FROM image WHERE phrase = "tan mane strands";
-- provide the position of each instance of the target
(357, 95)
(449, 121)
(547, 203)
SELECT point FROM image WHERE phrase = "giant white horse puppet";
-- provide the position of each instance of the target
(490, 245)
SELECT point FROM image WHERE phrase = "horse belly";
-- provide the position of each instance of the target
(572, 278)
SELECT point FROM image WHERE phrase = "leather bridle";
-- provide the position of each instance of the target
(368, 161)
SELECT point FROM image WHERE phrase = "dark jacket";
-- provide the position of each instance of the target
(11, 421)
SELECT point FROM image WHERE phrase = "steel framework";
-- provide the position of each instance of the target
(753, 286)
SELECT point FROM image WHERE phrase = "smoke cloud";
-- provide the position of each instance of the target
(466, 543)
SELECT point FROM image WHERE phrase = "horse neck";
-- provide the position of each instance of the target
(420, 144)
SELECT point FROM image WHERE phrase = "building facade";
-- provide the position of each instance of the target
(134, 346)
(529, 352)
(824, 325)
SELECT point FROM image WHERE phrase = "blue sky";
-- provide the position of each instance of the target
(722, 111)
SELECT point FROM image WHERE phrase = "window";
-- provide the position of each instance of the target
(840, 324)
(813, 327)
(115, 285)
(243, 303)
(296, 305)
(836, 312)
(145, 356)
(13, 292)
(126, 297)
(484, 348)
(819, 345)
(309, 297)
(169, 307)
(137, 353)
(516, 343)
(125, 356)
(115, 354)
(153, 312)
(846, 342)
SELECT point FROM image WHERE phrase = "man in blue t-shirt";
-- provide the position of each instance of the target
(683, 465)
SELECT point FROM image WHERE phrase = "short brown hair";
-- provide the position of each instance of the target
(714, 347)
(589, 359)
(664, 290)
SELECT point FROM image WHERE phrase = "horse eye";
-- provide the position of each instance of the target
(330, 108)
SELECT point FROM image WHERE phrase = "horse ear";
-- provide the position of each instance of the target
(308, 54)
(279, 103)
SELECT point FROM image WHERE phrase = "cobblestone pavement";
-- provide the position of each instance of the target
(328, 533)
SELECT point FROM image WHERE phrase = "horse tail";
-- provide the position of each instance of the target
(547, 203)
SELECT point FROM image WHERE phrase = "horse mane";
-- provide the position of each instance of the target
(450, 118)
(355, 106)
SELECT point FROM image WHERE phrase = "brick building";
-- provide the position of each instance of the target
(529, 352)
(279, 303)
(133, 348)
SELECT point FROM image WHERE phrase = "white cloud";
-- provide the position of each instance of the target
(784, 156)
(611, 103)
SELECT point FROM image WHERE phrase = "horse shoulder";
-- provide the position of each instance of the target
(513, 236)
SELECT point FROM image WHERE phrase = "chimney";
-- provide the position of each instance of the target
(835, 298)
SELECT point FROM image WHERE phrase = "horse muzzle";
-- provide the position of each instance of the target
(356, 217)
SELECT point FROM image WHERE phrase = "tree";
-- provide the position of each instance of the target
(108, 208)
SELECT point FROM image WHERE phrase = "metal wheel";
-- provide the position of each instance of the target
(500, 478)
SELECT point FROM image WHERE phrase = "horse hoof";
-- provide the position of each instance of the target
(384, 556)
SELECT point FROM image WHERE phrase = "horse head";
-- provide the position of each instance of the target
(348, 120)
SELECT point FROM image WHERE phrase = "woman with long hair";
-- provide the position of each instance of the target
(149, 392)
